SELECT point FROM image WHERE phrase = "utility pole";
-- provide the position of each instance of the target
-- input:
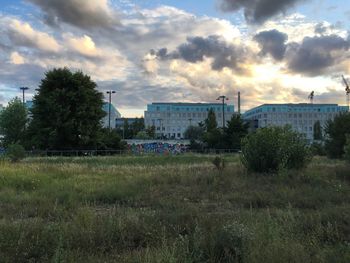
(110, 92)
(239, 102)
(223, 98)
(23, 91)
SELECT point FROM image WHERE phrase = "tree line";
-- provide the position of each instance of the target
(67, 112)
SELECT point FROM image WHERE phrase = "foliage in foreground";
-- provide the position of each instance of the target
(336, 131)
(179, 209)
(13, 120)
(273, 148)
(15, 152)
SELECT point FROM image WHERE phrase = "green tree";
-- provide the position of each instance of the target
(336, 131)
(137, 126)
(236, 130)
(67, 111)
(273, 148)
(317, 131)
(213, 137)
(13, 121)
(110, 140)
(194, 133)
(210, 122)
(142, 135)
(347, 148)
(151, 132)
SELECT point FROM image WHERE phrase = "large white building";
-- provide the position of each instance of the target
(301, 117)
(172, 119)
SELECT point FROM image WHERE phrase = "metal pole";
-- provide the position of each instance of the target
(23, 92)
(109, 110)
(223, 98)
(223, 111)
(239, 102)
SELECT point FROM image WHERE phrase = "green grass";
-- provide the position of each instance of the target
(172, 209)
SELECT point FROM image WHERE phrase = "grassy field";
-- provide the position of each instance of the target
(172, 209)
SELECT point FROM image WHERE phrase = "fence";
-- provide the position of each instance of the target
(135, 151)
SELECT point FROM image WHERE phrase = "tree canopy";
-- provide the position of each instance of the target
(67, 111)
(13, 120)
(236, 130)
(336, 131)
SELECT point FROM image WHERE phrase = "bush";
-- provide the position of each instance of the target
(219, 163)
(274, 148)
(318, 149)
(15, 152)
(336, 131)
(347, 148)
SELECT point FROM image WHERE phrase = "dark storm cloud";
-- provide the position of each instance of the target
(258, 11)
(198, 48)
(80, 13)
(315, 54)
(272, 42)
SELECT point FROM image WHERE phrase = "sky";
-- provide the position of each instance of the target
(272, 51)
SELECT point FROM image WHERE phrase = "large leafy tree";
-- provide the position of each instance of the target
(13, 120)
(67, 111)
(236, 130)
(212, 136)
(336, 131)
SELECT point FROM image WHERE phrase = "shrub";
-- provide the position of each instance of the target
(274, 148)
(318, 149)
(219, 163)
(336, 131)
(15, 152)
(347, 148)
(229, 243)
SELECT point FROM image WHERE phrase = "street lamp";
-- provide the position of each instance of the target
(223, 98)
(110, 92)
(190, 120)
(23, 89)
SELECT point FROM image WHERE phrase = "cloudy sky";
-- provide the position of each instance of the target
(273, 51)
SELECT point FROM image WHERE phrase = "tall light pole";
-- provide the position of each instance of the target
(110, 92)
(23, 89)
(223, 98)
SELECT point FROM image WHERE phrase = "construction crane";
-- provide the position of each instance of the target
(311, 97)
(347, 89)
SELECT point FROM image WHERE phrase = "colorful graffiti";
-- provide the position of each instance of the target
(161, 148)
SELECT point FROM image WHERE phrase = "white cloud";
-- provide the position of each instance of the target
(22, 34)
(16, 58)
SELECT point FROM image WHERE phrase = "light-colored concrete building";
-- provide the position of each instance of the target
(115, 114)
(301, 117)
(172, 119)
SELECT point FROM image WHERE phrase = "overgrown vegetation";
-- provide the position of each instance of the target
(273, 148)
(336, 131)
(15, 152)
(171, 209)
(13, 120)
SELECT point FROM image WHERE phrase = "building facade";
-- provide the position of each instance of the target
(301, 117)
(115, 114)
(172, 119)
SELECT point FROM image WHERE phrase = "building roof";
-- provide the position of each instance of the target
(186, 103)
